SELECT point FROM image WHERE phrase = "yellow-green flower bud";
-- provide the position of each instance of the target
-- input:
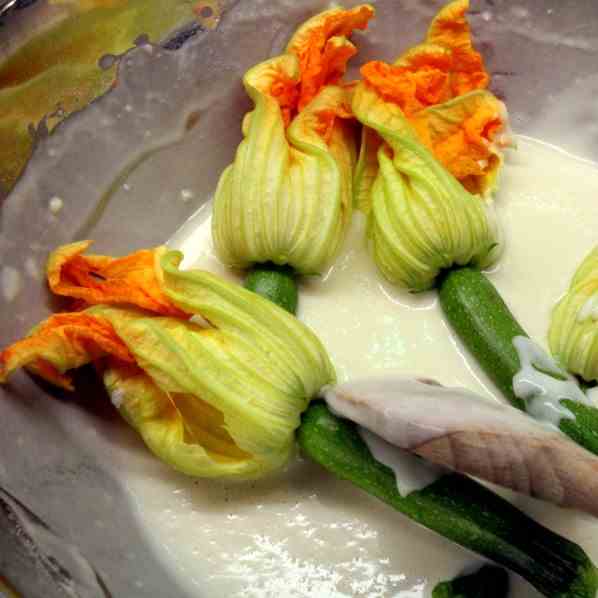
(421, 218)
(222, 400)
(286, 198)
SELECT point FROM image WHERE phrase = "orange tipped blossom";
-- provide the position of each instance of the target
(463, 136)
(323, 50)
(432, 136)
(287, 196)
(69, 340)
(99, 279)
(222, 400)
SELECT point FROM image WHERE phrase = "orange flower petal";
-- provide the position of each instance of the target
(326, 119)
(412, 90)
(444, 67)
(462, 134)
(450, 29)
(323, 51)
(286, 92)
(323, 66)
(61, 343)
(95, 279)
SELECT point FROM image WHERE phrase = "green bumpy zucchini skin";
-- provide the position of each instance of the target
(456, 507)
(276, 283)
(487, 582)
(484, 323)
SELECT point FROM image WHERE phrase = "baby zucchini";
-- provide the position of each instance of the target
(486, 326)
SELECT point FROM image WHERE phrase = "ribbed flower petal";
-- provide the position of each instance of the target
(179, 428)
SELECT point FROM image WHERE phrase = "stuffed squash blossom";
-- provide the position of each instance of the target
(573, 334)
(287, 196)
(431, 149)
(212, 376)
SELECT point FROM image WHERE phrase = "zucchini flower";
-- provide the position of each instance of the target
(432, 138)
(212, 376)
(573, 334)
(287, 197)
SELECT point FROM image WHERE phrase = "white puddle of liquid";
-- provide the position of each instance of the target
(305, 534)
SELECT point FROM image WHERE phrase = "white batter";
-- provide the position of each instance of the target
(306, 534)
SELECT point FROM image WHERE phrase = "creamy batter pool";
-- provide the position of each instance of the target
(303, 533)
